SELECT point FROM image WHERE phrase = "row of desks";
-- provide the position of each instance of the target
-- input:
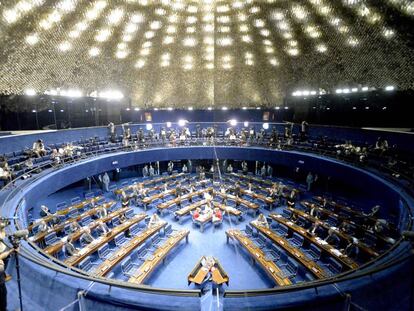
(55, 248)
(97, 243)
(150, 182)
(269, 266)
(346, 261)
(68, 209)
(159, 255)
(338, 207)
(178, 200)
(60, 227)
(313, 267)
(366, 249)
(127, 248)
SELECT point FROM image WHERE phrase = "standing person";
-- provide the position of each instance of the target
(105, 182)
(3, 261)
(304, 130)
(245, 168)
(145, 171)
(309, 180)
(151, 171)
(190, 166)
(263, 171)
(170, 168)
(269, 171)
(111, 130)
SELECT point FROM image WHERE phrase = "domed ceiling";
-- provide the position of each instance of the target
(178, 53)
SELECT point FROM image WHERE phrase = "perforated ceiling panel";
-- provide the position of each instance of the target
(176, 53)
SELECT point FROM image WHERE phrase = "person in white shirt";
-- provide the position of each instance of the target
(102, 227)
(262, 221)
(86, 236)
(105, 182)
(39, 148)
(184, 169)
(230, 169)
(154, 220)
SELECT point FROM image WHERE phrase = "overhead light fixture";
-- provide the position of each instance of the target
(30, 92)
(389, 88)
(224, 108)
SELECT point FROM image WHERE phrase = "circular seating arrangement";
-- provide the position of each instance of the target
(272, 232)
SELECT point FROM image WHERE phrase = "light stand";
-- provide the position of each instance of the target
(16, 242)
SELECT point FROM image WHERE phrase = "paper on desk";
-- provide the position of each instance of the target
(336, 252)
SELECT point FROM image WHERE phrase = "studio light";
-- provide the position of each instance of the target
(246, 124)
(266, 126)
(168, 124)
(148, 126)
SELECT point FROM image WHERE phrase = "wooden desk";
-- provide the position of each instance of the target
(228, 209)
(252, 206)
(217, 277)
(203, 219)
(149, 182)
(187, 209)
(159, 255)
(160, 195)
(127, 248)
(53, 249)
(272, 270)
(338, 207)
(261, 197)
(199, 277)
(332, 251)
(187, 196)
(68, 209)
(97, 243)
(60, 227)
(313, 267)
(364, 248)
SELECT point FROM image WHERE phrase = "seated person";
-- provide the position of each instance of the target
(55, 156)
(44, 211)
(122, 218)
(314, 211)
(102, 212)
(374, 211)
(217, 215)
(262, 221)
(74, 226)
(381, 226)
(230, 169)
(208, 262)
(346, 227)
(332, 238)
(178, 190)
(102, 228)
(352, 249)
(39, 148)
(5, 173)
(124, 199)
(28, 164)
(42, 226)
(154, 220)
(208, 211)
(86, 236)
(316, 228)
(196, 213)
(184, 169)
(69, 248)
